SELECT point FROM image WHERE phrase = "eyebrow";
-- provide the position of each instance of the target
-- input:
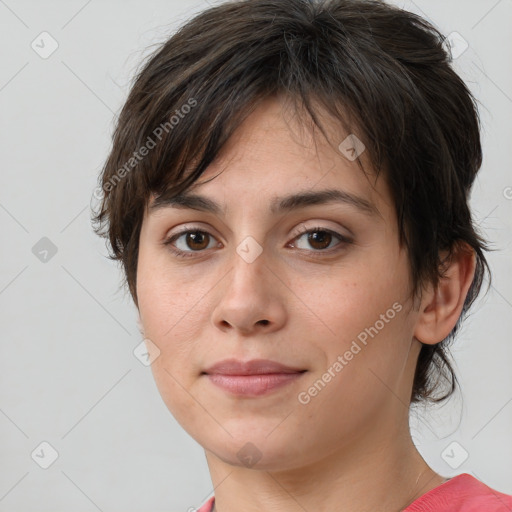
(278, 204)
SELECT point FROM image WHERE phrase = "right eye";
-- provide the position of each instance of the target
(194, 239)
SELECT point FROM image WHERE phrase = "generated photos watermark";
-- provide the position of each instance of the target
(146, 148)
(343, 360)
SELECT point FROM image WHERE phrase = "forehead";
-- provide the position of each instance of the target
(273, 158)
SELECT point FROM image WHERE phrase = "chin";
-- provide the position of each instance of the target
(254, 452)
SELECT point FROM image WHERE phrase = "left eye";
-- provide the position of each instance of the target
(320, 238)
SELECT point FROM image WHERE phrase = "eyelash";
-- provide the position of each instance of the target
(316, 253)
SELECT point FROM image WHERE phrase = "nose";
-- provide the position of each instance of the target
(251, 299)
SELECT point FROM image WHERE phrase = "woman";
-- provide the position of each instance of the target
(287, 192)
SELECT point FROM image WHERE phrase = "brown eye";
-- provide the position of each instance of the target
(190, 241)
(197, 240)
(321, 242)
(319, 239)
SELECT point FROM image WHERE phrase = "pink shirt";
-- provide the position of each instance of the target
(462, 493)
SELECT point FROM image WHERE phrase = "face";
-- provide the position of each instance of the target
(320, 286)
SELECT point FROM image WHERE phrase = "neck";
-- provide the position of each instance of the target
(356, 478)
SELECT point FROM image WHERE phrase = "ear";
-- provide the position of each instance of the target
(441, 308)
(139, 325)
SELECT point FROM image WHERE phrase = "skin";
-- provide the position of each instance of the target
(349, 447)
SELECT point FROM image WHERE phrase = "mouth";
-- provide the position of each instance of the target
(256, 377)
(252, 367)
(253, 385)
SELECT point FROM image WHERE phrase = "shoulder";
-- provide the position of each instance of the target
(462, 493)
(207, 506)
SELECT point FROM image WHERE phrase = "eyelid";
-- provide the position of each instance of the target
(186, 228)
(344, 240)
(320, 226)
(300, 230)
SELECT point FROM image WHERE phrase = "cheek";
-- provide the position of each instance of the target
(170, 314)
(345, 302)
(362, 319)
(163, 294)
(173, 306)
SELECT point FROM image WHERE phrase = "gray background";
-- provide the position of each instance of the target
(68, 373)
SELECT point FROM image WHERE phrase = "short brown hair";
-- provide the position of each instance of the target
(384, 73)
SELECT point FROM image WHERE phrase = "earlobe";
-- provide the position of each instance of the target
(140, 326)
(441, 308)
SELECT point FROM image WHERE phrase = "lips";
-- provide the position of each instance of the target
(251, 379)
(252, 367)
